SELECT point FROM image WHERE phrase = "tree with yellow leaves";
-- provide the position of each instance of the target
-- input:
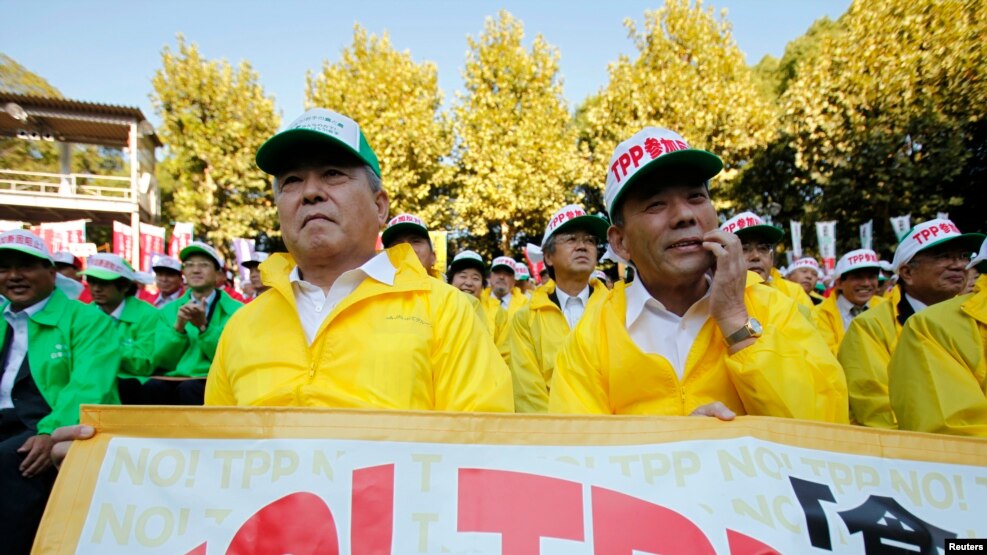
(396, 101)
(516, 146)
(688, 76)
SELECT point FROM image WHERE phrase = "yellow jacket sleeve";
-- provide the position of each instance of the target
(578, 383)
(530, 389)
(864, 354)
(937, 375)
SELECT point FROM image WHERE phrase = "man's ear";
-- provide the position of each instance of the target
(905, 274)
(615, 237)
(383, 204)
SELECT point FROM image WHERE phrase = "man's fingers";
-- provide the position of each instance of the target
(37, 458)
(715, 248)
(71, 433)
(716, 410)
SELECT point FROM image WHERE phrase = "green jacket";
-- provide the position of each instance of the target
(135, 333)
(72, 362)
(189, 355)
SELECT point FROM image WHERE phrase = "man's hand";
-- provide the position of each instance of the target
(63, 438)
(38, 458)
(194, 312)
(726, 299)
(717, 409)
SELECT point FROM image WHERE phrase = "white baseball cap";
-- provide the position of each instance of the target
(807, 262)
(198, 247)
(980, 261)
(255, 259)
(467, 259)
(930, 234)
(571, 215)
(857, 260)
(26, 242)
(67, 258)
(648, 150)
(108, 267)
(166, 262)
(600, 275)
(403, 222)
(521, 272)
(750, 224)
(503, 262)
(319, 127)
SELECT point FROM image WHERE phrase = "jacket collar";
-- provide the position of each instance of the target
(976, 306)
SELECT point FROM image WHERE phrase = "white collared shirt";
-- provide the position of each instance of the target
(656, 330)
(118, 310)
(165, 299)
(314, 305)
(917, 305)
(845, 306)
(18, 348)
(506, 300)
(573, 307)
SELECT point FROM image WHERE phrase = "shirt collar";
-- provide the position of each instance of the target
(917, 305)
(844, 303)
(29, 311)
(564, 297)
(118, 310)
(637, 297)
(379, 267)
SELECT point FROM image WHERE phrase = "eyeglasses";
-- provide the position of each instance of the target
(761, 248)
(197, 265)
(570, 239)
(943, 258)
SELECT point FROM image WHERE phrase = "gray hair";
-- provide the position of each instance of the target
(373, 180)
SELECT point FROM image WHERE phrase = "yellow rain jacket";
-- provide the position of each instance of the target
(535, 335)
(498, 318)
(791, 290)
(937, 377)
(414, 345)
(787, 372)
(864, 354)
(829, 321)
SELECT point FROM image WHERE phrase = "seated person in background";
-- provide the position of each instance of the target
(188, 331)
(111, 280)
(253, 269)
(168, 280)
(695, 332)
(938, 372)
(931, 266)
(57, 354)
(854, 293)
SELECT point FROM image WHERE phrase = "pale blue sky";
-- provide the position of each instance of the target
(107, 51)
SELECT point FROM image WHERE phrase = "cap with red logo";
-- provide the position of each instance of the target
(651, 149)
(930, 234)
(402, 223)
(573, 215)
(26, 242)
(748, 225)
(163, 261)
(67, 258)
(198, 247)
(108, 267)
(980, 261)
(806, 262)
(521, 272)
(503, 262)
(857, 260)
(467, 259)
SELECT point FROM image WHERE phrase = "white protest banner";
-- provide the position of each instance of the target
(867, 234)
(901, 225)
(242, 480)
(59, 235)
(796, 228)
(826, 236)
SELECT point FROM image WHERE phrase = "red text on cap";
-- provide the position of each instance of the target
(932, 232)
(654, 147)
(563, 217)
(859, 258)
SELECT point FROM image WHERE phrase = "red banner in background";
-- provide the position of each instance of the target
(123, 242)
(152, 241)
(181, 236)
(59, 235)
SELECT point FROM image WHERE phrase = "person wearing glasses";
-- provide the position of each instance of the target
(188, 332)
(759, 240)
(931, 266)
(854, 293)
(695, 333)
(537, 330)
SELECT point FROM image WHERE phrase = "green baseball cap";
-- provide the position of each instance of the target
(320, 127)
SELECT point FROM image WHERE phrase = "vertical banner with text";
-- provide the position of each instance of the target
(123, 242)
(181, 236)
(152, 241)
(826, 236)
(867, 234)
(901, 225)
(59, 235)
(796, 228)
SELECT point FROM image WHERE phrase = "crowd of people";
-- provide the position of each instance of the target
(704, 324)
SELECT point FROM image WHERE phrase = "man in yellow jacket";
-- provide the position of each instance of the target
(931, 266)
(805, 272)
(695, 332)
(759, 241)
(410, 229)
(343, 326)
(537, 330)
(503, 291)
(938, 373)
(855, 293)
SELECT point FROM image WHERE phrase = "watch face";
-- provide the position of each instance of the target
(755, 326)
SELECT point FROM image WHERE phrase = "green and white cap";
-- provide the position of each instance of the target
(467, 259)
(651, 149)
(318, 127)
(26, 242)
(198, 247)
(108, 267)
(929, 234)
(401, 223)
(574, 215)
(749, 224)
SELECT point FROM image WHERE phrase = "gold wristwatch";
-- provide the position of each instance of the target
(751, 329)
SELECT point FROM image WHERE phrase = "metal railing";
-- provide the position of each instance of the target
(74, 185)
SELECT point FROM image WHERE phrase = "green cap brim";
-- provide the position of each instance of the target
(771, 232)
(969, 241)
(192, 249)
(25, 251)
(101, 273)
(388, 235)
(279, 149)
(596, 225)
(701, 164)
